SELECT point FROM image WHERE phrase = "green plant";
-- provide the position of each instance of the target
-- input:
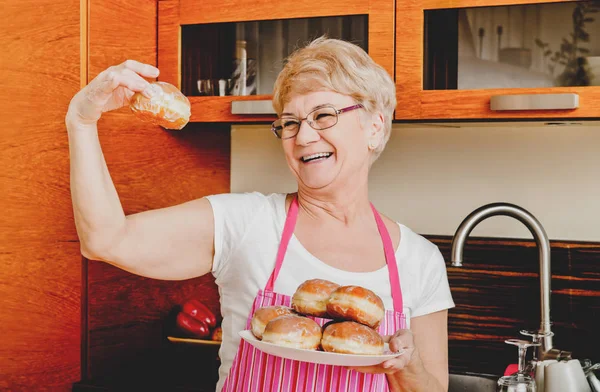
(571, 53)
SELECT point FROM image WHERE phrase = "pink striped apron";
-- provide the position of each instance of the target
(252, 370)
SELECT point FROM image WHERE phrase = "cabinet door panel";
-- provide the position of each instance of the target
(195, 12)
(207, 50)
(453, 57)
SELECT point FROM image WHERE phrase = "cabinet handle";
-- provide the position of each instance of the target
(535, 102)
(252, 107)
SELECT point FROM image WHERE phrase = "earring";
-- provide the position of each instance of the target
(371, 146)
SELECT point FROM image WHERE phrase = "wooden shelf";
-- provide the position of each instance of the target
(218, 109)
(198, 342)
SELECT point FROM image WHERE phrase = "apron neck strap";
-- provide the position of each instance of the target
(288, 231)
(388, 248)
(390, 258)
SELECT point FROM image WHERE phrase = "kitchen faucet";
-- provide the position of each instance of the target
(545, 350)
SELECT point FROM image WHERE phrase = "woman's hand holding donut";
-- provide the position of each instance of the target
(401, 340)
(405, 372)
(110, 90)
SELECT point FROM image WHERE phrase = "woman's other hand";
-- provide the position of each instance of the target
(401, 340)
(424, 365)
(110, 90)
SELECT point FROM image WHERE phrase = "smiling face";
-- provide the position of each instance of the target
(327, 159)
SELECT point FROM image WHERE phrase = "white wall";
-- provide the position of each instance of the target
(430, 178)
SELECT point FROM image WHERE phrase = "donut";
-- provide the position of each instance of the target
(311, 297)
(168, 108)
(293, 331)
(356, 303)
(349, 337)
(262, 316)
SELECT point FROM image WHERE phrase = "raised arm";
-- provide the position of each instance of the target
(169, 243)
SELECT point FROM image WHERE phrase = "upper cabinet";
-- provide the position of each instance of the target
(225, 55)
(481, 59)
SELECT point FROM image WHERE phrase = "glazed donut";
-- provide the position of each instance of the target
(293, 331)
(262, 316)
(168, 108)
(311, 297)
(348, 337)
(356, 303)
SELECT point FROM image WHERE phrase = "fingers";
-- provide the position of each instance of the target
(112, 89)
(114, 78)
(368, 369)
(127, 78)
(395, 364)
(128, 74)
(145, 70)
(138, 83)
(389, 367)
(402, 339)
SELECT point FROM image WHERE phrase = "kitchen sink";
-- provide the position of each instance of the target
(472, 383)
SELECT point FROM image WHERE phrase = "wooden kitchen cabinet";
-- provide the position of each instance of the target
(490, 59)
(123, 316)
(202, 46)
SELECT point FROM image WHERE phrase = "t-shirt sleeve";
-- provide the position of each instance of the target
(435, 295)
(233, 215)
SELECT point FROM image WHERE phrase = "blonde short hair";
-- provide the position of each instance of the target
(342, 67)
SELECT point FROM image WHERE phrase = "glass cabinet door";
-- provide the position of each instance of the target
(477, 59)
(244, 58)
(225, 56)
(514, 46)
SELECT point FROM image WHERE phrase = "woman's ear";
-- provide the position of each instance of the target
(376, 130)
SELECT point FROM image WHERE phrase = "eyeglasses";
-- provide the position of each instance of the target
(322, 117)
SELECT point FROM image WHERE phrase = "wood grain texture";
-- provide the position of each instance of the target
(414, 103)
(34, 147)
(409, 59)
(169, 42)
(437, 4)
(381, 33)
(151, 168)
(475, 104)
(218, 109)
(129, 323)
(40, 275)
(193, 12)
(497, 294)
(39, 300)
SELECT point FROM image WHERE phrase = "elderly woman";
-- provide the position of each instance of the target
(334, 107)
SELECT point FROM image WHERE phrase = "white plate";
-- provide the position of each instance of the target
(318, 356)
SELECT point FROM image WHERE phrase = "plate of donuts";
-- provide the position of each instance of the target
(325, 324)
(316, 356)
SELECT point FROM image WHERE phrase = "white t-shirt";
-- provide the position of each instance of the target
(248, 230)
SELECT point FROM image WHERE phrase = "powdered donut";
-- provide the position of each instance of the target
(262, 316)
(348, 337)
(356, 303)
(311, 297)
(293, 331)
(168, 107)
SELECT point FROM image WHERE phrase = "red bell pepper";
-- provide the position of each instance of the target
(191, 326)
(198, 311)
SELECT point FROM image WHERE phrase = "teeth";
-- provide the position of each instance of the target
(317, 155)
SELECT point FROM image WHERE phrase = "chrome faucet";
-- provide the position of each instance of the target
(545, 350)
